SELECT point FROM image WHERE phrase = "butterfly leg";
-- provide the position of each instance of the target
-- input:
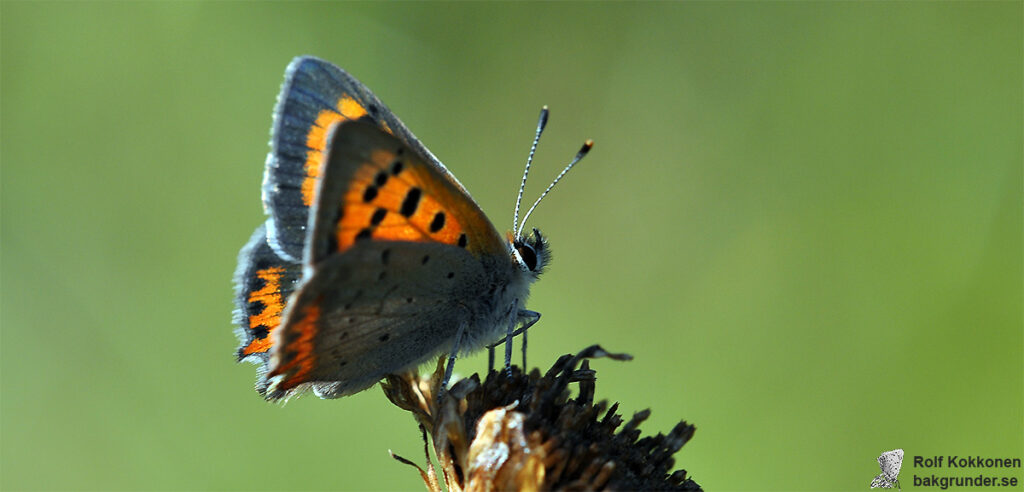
(524, 348)
(535, 316)
(508, 344)
(529, 318)
(451, 361)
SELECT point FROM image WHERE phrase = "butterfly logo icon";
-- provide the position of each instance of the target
(890, 462)
(374, 259)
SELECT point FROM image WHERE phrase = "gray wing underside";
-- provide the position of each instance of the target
(386, 307)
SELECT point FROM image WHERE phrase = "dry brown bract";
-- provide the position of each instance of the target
(523, 432)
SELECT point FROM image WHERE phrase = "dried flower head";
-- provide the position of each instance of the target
(519, 431)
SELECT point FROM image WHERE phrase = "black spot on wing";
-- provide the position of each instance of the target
(378, 216)
(369, 194)
(260, 332)
(438, 223)
(411, 202)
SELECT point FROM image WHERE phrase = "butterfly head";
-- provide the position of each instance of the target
(531, 252)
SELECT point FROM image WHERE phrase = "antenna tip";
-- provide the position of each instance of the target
(589, 144)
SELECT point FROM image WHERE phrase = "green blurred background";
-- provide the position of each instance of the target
(803, 219)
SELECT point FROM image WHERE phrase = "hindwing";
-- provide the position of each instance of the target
(263, 283)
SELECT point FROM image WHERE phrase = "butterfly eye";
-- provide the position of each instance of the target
(529, 256)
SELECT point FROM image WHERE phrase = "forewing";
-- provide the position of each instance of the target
(315, 95)
(376, 188)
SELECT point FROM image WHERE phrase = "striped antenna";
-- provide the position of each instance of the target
(579, 156)
(541, 123)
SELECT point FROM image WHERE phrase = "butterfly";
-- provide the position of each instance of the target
(374, 258)
(890, 462)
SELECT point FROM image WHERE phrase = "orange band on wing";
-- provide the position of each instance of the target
(391, 199)
(350, 108)
(346, 108)
(299, 351)
(270, 316)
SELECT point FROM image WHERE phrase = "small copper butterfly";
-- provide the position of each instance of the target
(374, 258)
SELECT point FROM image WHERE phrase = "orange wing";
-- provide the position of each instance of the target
(315, 96)
(374, 187)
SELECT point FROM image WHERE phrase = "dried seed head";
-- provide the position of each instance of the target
(519, 431)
